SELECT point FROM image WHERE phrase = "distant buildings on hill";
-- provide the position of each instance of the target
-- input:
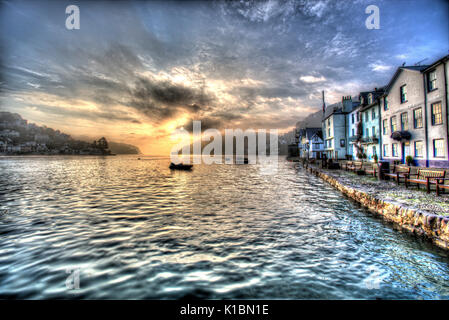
(17, 136)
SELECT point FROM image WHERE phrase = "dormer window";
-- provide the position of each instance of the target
(370, 98)
(361, 100)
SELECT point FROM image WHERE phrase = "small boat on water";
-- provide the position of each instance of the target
(180, 166)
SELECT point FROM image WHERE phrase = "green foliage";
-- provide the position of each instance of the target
(409, 160)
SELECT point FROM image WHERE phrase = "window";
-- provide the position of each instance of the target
(370, 98)
(395, 149)
(418, 149)
(366, 117)
(417, 118)
(352, 116)
(384, 126)
(353, 132)
(373, 131)
(373, 114)
(386, 151)
(374, 150)
(367, 132)
(404, 121)
(437, 116)
(357, 117)
(385, 104)
(403, 94)
(329, 132)
(432, 80)
(329, 121)
(438, 148)
(393, 124)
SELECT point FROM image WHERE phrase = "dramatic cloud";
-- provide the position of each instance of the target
(312, 79)
(379, 67)
(138, 70)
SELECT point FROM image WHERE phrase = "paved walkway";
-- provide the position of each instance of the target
(390, 191)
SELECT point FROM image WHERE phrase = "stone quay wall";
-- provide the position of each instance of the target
(431, 226)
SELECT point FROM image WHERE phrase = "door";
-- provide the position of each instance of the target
(405, 151)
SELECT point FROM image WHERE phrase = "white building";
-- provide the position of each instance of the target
(414, 115)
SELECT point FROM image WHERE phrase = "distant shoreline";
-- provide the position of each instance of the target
(76, 155)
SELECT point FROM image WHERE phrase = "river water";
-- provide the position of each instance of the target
(119, 227)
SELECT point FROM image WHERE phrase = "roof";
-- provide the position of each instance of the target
(442, 60)
(399, 70)
(376, 95)
(416, 68)
(332, 109)
(355, 105)
(310, 132)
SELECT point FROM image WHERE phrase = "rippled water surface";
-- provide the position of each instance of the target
(133, 229)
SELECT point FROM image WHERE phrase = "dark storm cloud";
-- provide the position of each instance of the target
(206, 123)
(226, 116)
(168, 93)
(161, 100)
(285, 50)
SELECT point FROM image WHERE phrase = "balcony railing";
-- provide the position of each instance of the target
(353, 138)
(372, 139)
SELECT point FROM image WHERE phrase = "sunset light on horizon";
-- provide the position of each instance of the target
(135, 71)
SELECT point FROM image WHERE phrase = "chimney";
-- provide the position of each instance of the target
(324, 104)
(347, 103)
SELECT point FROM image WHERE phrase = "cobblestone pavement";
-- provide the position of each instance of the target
(390, 191)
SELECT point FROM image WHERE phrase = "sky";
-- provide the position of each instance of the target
(136, 71)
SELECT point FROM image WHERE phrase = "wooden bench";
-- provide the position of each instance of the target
(440, 185)
(346, 165)
(355, 166)
(398, 173)
(426, 177)
(371, 169)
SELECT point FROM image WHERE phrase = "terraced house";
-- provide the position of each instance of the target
(353, 134)
(370, 115)
(311, 143)
(435, 78)
(334, 127)
(414, 115)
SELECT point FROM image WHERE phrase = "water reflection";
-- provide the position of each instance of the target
(135, 229)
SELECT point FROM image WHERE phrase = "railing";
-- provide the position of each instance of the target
(373, 139)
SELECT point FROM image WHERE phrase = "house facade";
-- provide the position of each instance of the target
(316, 145)
(403, 117)
(370, 115)
(334, 127)
(353, 120)
(311, 143)
(414, 115)
(436, 105)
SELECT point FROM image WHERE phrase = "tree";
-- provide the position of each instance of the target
(102, 143)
